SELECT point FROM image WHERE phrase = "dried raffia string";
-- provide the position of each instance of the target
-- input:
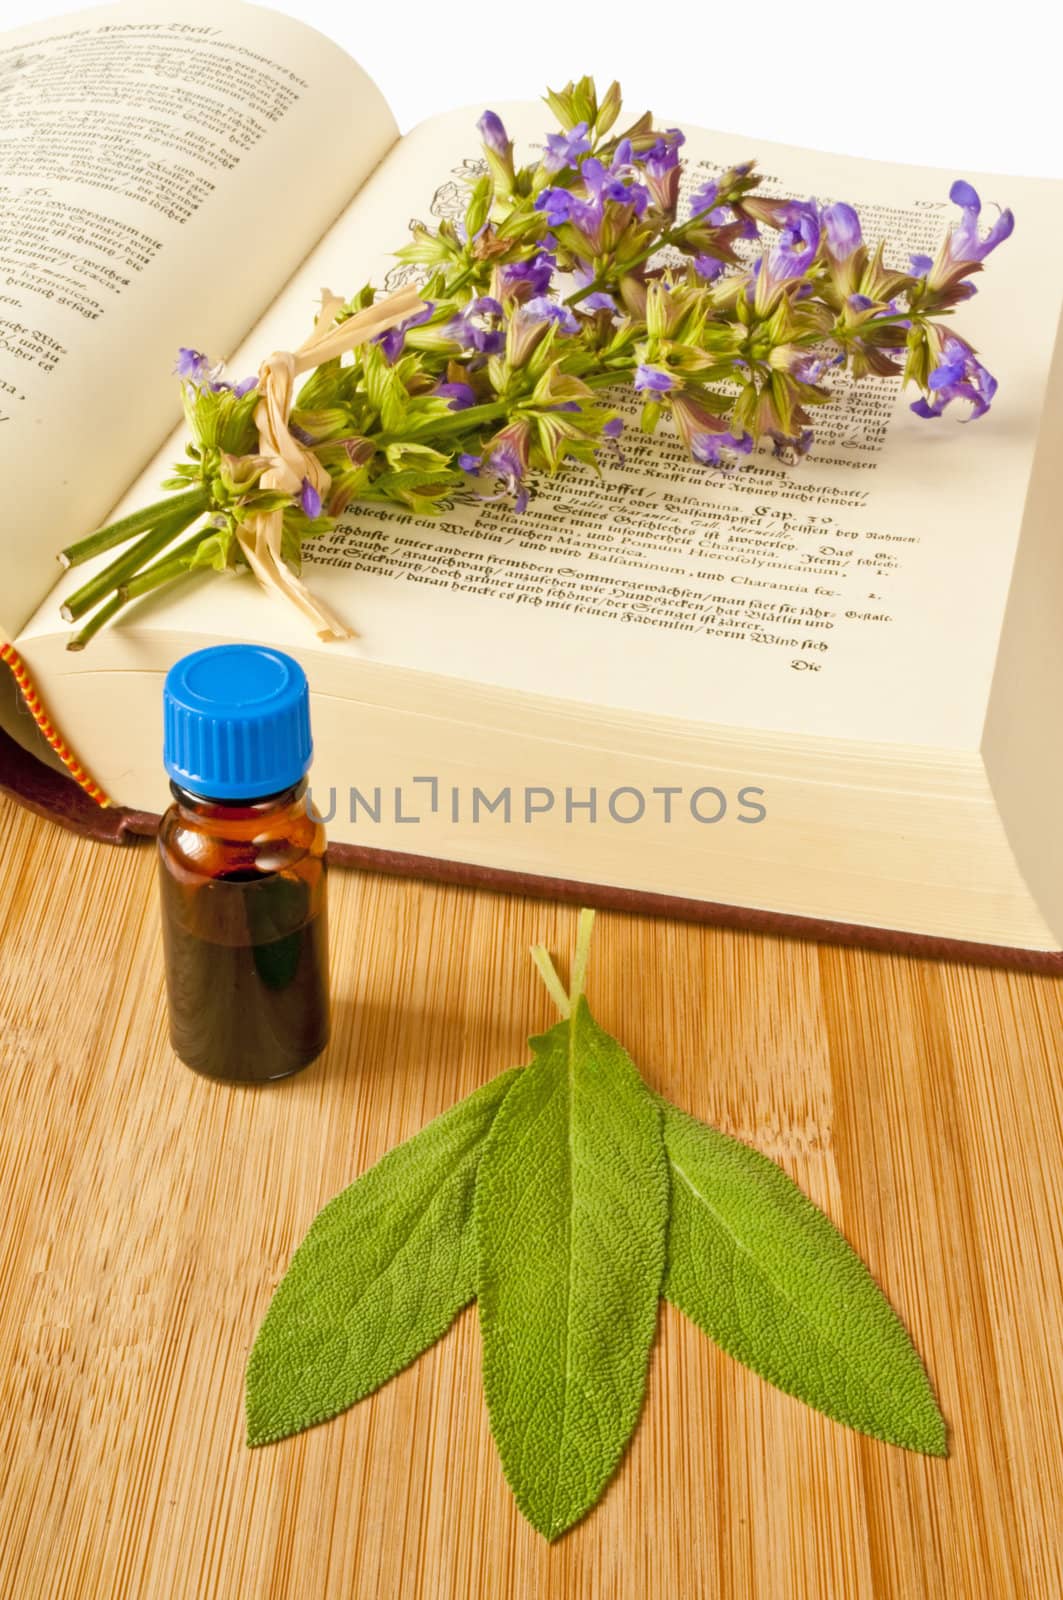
(290, 462)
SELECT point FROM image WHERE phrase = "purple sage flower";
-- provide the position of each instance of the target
(599, 301)
(661, 167)
(602, 180)
(473, 328)
(470, 463)
(585, 215)
(613, 428)
(654, 380)
(964, 242)
(810, 369)
(392, 340)
(507, 457)
(310, 500)
(460, 395)
(844, 235)
(800, 234)
(792, 254)
(493, 133)
(703, 199)
(557, 204)
(959, 375)
(565, 149)
(708, 267)
(542, 309)
(780, 266)
(790, 446)
(720, 449)
(506, 463)
(920, 265)
(533, 276)
(665, 153)
(193, 365)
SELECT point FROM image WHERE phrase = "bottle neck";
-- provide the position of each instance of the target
(200, 805)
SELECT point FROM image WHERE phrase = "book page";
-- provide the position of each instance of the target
(857, 595)
(163, 169)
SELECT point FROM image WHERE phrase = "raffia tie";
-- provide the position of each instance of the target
(290, 461)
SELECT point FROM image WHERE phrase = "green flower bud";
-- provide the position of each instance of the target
(585, 101)
(221, 419)
(608, 110)
(562, 104)
(658, 306)
(330, 422)
(479, 207)
(238, 474)
(430, 249)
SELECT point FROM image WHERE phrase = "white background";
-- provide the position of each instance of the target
(955, 83)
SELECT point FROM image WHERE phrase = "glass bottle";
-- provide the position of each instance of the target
(242, 873)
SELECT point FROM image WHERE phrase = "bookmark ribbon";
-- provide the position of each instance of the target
(290, 462)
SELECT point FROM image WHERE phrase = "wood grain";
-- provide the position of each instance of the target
(148, 1215)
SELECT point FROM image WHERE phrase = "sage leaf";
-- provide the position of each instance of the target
(764, 1273)
(571, 1223)
(384, 1269)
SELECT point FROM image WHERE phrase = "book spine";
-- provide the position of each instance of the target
(36, 709)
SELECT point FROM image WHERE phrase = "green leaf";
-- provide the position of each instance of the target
(221, 419)
(764, 1273)
(381, 1274)
(571, 1218)
(384, 389)
(214, 551)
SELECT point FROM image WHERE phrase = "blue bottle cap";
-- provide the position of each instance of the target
(236, 722)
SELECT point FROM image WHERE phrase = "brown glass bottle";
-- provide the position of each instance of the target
(242, 876)
(245, 934)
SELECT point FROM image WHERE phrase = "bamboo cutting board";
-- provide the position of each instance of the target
(148, 1215)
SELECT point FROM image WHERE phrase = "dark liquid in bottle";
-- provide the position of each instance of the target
(247, 965)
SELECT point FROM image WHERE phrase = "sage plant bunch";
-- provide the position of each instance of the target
(570, 281)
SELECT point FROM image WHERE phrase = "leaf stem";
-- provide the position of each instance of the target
(174, 565)
(548, 973)
(137, 522)
(126, 565)
(662, 241)
(582, 956)
(95, 622)
(566, 1002)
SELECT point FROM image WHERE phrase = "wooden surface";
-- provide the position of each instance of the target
(148, 1215)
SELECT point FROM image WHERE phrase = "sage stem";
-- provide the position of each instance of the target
(670, 236)
(116, 572)
(175, 565)
(95, 622)
(137, 522)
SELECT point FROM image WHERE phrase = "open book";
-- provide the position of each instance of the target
(821, 692)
